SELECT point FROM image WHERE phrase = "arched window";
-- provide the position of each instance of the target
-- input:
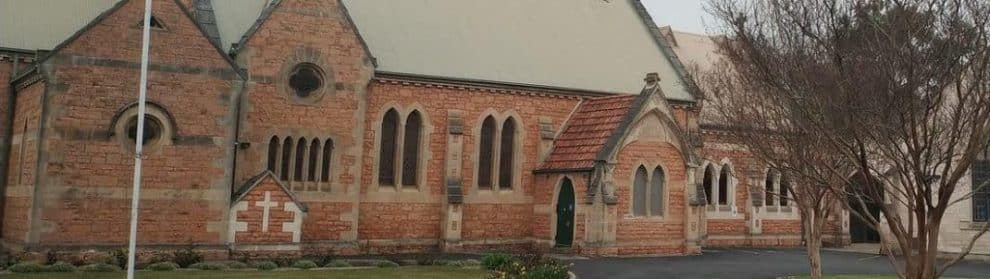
(300, 160)
(327, 155)
(286, 159)
(386, 156)
(723, 186)
(273, 154)
(707, 182)
(769, 187)
(639, 192)
(314, 153)
(656, 192)
(486, 153)
(980, 175)
(410, 152)
(785, 186)
(505, 169)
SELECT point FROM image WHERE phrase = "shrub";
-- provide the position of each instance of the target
(338, 263)
(99, 267)
(305, 264)
(208, 266)
(548, 271)
(26, 268)
(236, 265)
(496, 261)
(284, 261)
(266, 265)
(51, 257)
(162, 266)
(186, 257)
(321, 259)
(387, 264)
(60, 267)
(118, 258)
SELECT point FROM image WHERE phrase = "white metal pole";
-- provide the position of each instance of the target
(139, 140)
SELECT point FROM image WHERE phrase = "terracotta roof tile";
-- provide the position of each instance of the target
(587, 132)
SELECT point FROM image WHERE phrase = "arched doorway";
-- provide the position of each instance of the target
(565, 214)
(859, 230)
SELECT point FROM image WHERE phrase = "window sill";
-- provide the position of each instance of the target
(645, 218)
(971, 225)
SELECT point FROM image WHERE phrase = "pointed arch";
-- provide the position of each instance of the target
(273, 146)
(724, 187)
(486, 153)
(507, 153)
(639, 195)
(783, 191)
(410, 152)
(657, 180)
(769, 187)
(387, 153)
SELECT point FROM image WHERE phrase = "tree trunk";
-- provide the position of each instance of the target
(813, 243)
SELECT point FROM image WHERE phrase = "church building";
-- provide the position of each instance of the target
(370, 127)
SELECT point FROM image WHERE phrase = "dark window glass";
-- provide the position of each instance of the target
(305, 79)
(505, 169)
(707, 183)
(386, 156)
(981, 190)
(152, 129)
(273, 154)
(639, 192)
(486, 153)
(314, 152)
(656, 192)
(327, 155)
(286, 159)
(410, 149)
(300, 159)
(723, 186)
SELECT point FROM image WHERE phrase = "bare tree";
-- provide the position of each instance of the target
(897, 90)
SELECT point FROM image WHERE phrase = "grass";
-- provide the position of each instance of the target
(413, 272)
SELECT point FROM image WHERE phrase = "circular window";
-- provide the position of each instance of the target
(152, 129)
(306, 80)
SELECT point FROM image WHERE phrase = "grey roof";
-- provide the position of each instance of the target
(43, 24)
(583, 44)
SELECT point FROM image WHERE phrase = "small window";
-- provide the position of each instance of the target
(506, 154)
(273, 146)
(486, 154)
(723, 186)
(656, 192)
(155, 23)
(314, 152)
(410, 152)
(327, 155)
(707, 184)
(386, 155)
(769, 189)
(785, 186)
(152, 130)
(305, 80)
(981, 190)
(286, 159)
(639, 192)
(300, 160)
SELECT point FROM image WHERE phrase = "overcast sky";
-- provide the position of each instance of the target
(683, 15)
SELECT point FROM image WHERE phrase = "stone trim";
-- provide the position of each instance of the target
(649, 166)
(496, 194)
(425, 153)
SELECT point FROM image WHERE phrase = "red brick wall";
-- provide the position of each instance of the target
(6, 65)
(641, 235)
(23, 162)
(253, 216)
(89, 171)
(503, 219)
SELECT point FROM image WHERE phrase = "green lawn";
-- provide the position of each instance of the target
(412, 272)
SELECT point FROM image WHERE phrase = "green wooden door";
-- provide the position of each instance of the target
(565, 214)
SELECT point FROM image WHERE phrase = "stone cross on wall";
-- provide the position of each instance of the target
(267, 204)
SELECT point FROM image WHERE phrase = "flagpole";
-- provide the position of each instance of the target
(139, 139)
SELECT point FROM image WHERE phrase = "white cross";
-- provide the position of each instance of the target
(267, 204)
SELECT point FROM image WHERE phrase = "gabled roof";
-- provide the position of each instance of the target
(697, 52)
(43, 24)
(256, 180)
(597, 45)
(589, 129)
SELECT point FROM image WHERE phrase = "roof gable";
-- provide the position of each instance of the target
(589, 129)
(595, 45)
(265, 178)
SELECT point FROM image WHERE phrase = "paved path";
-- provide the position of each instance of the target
(749, 263)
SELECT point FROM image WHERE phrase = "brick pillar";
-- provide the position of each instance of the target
(453, 211)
